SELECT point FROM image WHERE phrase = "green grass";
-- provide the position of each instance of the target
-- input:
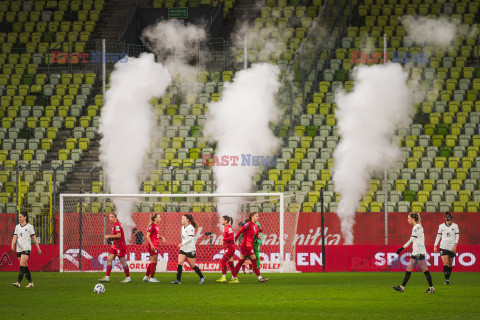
(285, 296)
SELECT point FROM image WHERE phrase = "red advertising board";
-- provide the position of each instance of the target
(208, 258)
(303, 236)
(47, 261)
(362, 258)
(359, 258)
(7, 225)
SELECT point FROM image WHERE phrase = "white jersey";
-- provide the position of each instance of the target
(24, 234)
(449, 234)
(418, 240)
(188, 239)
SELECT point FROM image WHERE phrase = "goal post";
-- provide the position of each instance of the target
(84, 223)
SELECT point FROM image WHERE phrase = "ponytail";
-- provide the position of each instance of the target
(191, 220)
(416, 217)
(228, 219)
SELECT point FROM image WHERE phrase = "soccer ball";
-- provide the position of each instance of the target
(99, 288)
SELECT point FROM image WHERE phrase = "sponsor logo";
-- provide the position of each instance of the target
(205, 266)
(141, 266)
(465, 259)
(309, 259)
(311, 238)
(269, 265)
(58, 57)
(138, 265)
(5, 260)
(72, 256)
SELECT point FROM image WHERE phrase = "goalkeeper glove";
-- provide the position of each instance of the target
(400, 250)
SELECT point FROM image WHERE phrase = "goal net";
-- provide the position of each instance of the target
(84, 223)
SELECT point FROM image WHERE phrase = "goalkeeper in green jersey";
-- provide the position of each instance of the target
(256, 244)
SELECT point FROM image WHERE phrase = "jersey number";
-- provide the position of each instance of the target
(448, 234)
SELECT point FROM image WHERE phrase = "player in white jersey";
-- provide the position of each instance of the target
(187, 248)
(450, 234)
(418, 253)
(24, 233)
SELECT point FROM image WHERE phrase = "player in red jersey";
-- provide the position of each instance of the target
(229, 249)
(119, 249)
(153, 241)
(250, 231)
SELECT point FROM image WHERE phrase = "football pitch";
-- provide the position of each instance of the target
(285, 296)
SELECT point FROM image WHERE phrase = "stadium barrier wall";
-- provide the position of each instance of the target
(48, 261)
(7, 227)
(365, 255)
(365, 258)
(351, 258)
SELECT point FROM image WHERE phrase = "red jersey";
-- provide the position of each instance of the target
(250, 230)
(228, 236)
(154, 234)
(118, 243)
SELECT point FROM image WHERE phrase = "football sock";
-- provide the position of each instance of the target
(232, 268)
(197, 270)
(407, 277)
(147, 273)
(28, 274)
(238, 266)
(126, 270)
(109, 269)
(153, 268)
(429, 278)
(179, 272)
(224, 266)
(449, 272)
(20, 274)
(445, 272)
(255, 268)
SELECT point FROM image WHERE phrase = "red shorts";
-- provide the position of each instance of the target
(119, 252)
(247, 251)
(152, 252)
(229, 251)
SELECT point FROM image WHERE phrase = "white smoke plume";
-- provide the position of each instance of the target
(426, 31)
(126, 125)
(261, 45)
(367, 119)
(239, 123)
(176, 46)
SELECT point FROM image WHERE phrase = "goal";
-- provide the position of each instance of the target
(84, 223)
